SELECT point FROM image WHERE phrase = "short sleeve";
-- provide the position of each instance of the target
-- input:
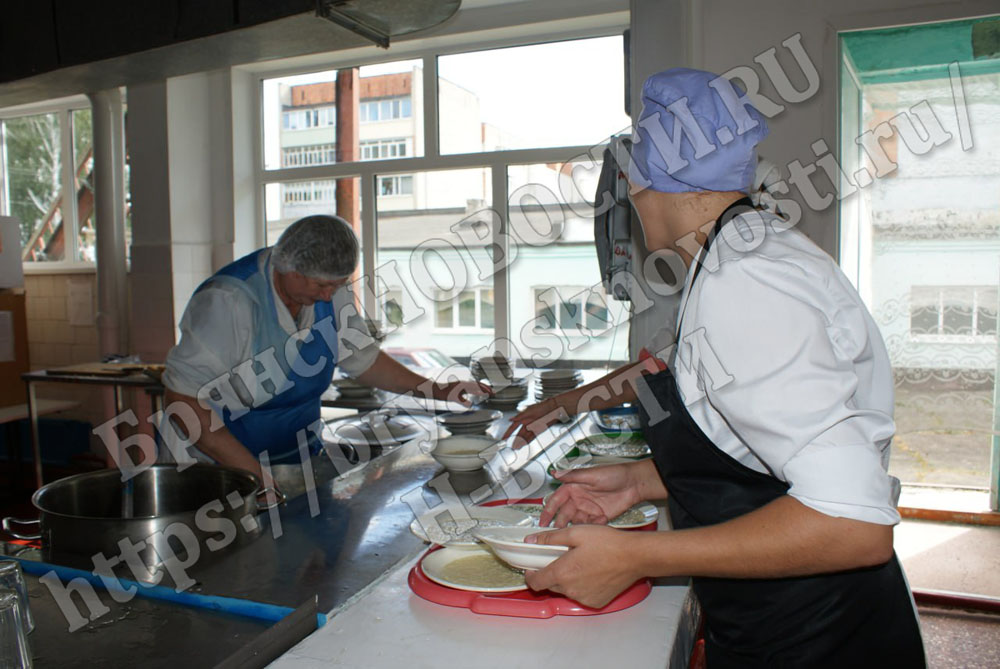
(357, 349)
(216, 332)
(792, 397)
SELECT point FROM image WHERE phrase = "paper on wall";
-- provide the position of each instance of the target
(79, 302)
(11, 272)
(6, 336)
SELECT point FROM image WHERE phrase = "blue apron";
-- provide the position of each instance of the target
(273, 426)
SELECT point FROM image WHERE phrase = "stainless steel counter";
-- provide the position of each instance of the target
(333, 543)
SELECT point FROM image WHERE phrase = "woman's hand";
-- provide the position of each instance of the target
(534, 420)
(598, 567)
(594, 495)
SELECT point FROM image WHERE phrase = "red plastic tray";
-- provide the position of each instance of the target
(521, 604)
(648, 527)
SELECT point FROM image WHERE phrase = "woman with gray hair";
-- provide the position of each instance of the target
(261, 338)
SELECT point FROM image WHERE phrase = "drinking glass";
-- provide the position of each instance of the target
(12, 578)
(14, 650)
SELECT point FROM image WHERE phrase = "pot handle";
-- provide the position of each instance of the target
(22, 521)
(264, 505)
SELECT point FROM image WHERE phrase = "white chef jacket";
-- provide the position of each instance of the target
(217, 333)
(782, 367)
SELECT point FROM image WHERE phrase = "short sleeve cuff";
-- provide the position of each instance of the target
(846, 481)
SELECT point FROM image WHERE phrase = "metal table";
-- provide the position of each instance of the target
(138, 380)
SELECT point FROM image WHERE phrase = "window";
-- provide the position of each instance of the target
(385, 110)
(312, 154)
(377, 149)
(953, 311)
(531, 96)
(285, 203)
(571, 309)
(395, 185)
(469, 309)
(919, 236)
(301, 119)
(38, 170)
(432, 227)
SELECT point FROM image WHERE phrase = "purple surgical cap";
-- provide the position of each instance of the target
(694, 134)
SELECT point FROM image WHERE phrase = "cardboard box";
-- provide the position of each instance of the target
(13, 347)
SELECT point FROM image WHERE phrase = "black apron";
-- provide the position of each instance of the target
(858, 618)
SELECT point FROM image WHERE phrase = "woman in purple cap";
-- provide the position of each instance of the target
(769, 420)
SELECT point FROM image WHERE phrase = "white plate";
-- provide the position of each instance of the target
(508, 544)
(439, 527)
(433, 566)
(649, 515)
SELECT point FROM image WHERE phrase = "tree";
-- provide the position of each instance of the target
(33, 163)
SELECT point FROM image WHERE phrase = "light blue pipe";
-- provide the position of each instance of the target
(240, 607)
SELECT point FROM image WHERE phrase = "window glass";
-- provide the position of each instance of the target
(300, 114)
(83, 158)
(287, 202)
(927, 251)
(429, 232)
(557, 94)
(34, 183)
(558, 309)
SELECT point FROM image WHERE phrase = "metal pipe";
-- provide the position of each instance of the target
(988, 518)
(109, 208)
(959, 600)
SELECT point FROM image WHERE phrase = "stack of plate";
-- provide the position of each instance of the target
(350, 389)
(495, 368)
(468, 422)
(556, 381)
(507, 397)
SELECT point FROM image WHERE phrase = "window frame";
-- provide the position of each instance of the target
(63, 108)
(497, 161)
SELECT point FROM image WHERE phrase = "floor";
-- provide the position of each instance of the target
(956, 558)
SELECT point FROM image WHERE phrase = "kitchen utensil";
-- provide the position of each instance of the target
(508, 544)
(11, 578)
(82, 514)
(463, 452)
(520, 604)
(458, 533)
(15, 652)
(436, 567)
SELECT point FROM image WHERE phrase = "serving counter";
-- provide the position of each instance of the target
(347, 543)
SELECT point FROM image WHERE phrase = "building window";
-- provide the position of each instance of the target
(312, 154)
(386, 109)
(396, 185)
(571, 309)
(470, 309)
(302, 119)
(309, 192)
(949, 312)
(378, 149)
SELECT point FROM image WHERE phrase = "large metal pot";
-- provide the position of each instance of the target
(161, 514)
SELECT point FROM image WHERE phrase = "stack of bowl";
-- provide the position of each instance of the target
(495, 368)
(506, 397)
(468, 422)
(556, 381)
(350, 389)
